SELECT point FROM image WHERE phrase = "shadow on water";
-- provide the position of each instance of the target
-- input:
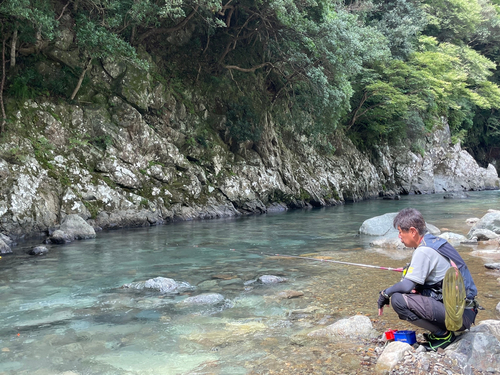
(67, 313)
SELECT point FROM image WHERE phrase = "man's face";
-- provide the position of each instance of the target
(408, 237)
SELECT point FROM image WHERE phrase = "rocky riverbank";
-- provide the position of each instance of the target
(477, 351)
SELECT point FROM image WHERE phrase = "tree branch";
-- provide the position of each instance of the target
(63, 9)
(86, 68)
(247, 70)
(13, 49)
(177, 27)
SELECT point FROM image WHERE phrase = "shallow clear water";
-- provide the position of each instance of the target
(66, 313)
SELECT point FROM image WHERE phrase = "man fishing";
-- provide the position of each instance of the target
(418, 297)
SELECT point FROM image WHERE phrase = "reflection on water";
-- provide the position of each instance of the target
(65, 313)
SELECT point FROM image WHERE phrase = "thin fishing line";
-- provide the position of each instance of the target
(329, 261)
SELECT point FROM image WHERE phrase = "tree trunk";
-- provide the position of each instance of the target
(13, 49)
(87, 67)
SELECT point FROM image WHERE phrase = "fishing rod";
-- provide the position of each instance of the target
(333, 261)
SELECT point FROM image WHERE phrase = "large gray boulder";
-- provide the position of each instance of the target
(72, 228)
(482, 234)
(358, 326)
(453, 238)
(78, 228)
(479, 348)
(382, 226)
(490, 221)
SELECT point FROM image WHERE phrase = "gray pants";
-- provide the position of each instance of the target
(426, 312)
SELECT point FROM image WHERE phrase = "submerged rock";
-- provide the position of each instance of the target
(290, 294)
(38, 250)
(472, 221)
(271, 279)
(456, 195)
(162, 284)
(203, 299)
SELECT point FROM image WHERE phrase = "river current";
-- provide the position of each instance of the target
(67, 313)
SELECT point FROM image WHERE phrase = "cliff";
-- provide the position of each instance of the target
(142, 156)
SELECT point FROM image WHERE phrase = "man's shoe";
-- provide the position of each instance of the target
(434, 342)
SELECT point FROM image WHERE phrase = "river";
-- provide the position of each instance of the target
(66, 313)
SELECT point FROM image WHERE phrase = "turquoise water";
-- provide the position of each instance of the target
(66, 313)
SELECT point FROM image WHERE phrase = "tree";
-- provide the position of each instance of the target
(441, 79)
(452, 20)
(401, 22)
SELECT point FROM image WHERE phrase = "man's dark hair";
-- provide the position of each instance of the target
(410, 217)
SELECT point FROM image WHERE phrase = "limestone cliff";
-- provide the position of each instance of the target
(140, 156)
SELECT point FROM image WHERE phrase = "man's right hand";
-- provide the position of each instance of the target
(383, 300)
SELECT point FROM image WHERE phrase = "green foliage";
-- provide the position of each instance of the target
(99, 42)
(382, 70)
(401, 22)
(453, 20)
(439, 80)
(243, 121)
(29, 16)
(43, 152)
(102, 142)
(26, 85)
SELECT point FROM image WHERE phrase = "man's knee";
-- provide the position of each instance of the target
(400, 306)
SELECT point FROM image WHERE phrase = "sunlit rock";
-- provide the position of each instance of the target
(472, 221)
(481, 234)
(391, 356)
(358, 326)
(490, 221)
(453, 238)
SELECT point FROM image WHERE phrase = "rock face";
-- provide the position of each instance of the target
(138, 157)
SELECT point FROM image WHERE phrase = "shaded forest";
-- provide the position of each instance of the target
(379, 71)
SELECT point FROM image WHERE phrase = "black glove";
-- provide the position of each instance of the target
(383, 299)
